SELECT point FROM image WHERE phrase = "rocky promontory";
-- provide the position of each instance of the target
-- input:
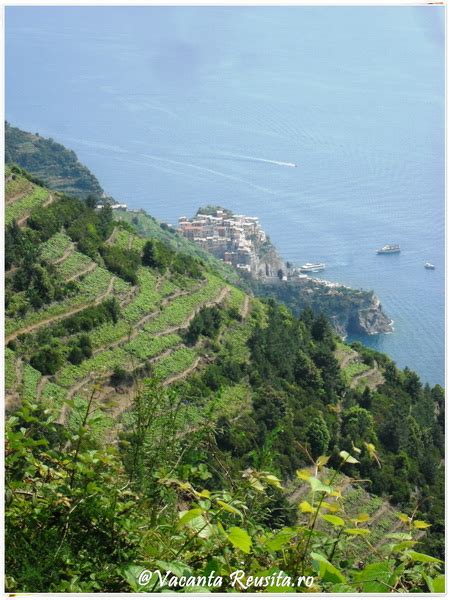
(351, 311)
(240, 241)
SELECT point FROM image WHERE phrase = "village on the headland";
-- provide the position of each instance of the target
(239, 241)
(235, 239)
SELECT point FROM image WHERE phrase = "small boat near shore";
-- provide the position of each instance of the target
(389, 249)
(312, 267)
(429, 266)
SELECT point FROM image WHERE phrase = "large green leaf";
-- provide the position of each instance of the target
(357, 531)
(280, 539)
(419, 557)
(334, 520)
(318, 486)
(228, 507)
(240, 539)
(436, 585)
(376, 577)
(348, 458)
(327, 571)
(189, 515)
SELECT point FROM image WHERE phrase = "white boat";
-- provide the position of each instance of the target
(428, 265)
(312, 267)
(389, 249)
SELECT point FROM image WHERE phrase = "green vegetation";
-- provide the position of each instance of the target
(353, 369)
(21, 207)
(57, 167)
(179, 310)
(30, 380)
(10, 369)
(175, 363)
(74, 265)
(53, 396)
(55, 247)
(90, 288)
(166, 420)
(145, 346)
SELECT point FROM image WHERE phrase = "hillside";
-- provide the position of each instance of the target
(56, 166)
(160, 416)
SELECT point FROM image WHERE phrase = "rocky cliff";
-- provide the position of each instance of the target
(351, 311)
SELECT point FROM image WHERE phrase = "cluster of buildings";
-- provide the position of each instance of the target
(233, 238)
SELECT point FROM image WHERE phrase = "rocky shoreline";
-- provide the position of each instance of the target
(351, 311)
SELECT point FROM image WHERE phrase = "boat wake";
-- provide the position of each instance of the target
(280, 163)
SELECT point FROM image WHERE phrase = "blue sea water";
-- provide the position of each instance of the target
(176, 107)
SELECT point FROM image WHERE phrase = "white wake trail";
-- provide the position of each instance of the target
(281, 163)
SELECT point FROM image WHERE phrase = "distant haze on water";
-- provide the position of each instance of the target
(326, 122)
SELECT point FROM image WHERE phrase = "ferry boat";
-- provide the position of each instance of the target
(389, 249)
(428, 265)
(312, 267)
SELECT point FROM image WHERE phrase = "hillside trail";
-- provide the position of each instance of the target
(17, 197)
(13, 399)
(112, 237)
(224, 292)
(40, 386)
(67, 252)
(135, 329)
(373, 376)
(69, 313)
(184, 373)
(85, 271)
(348, 358)
(21, 222)
(245, 308)
(85, 381)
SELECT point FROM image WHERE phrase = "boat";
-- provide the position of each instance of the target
(428, 265)
(389, 249)
(312, 267)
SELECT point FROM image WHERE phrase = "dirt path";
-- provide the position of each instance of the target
(184, 373)
(17, 196)
(21, 222)
(135, 329)
(245, 308)
(67, 252)
(87, 270)
(346, 358)
(40, 386)
(373, 376)
(69, 313)
(112, 237)
(121, 406)
(13, 399)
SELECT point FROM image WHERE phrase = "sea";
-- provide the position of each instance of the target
(177, 107)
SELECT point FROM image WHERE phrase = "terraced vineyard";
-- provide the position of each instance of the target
(175, 363)
(55, 247)
(10, 369)
(147, 332)
(22, 206)
(30, 380)
(74, 265)
(16, 185)
(177, 312)
(94, 286)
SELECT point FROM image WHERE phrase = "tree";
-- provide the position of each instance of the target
(48, 360)
(317, 436)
